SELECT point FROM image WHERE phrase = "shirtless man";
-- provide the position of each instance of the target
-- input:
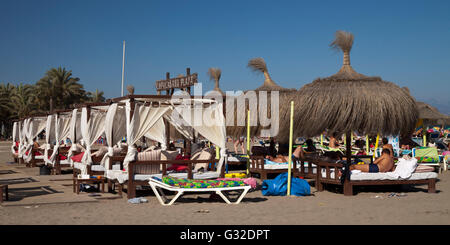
(333, 141)
(386, 145)
(383, 164)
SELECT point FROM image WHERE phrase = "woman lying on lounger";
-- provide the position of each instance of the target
(383, 164)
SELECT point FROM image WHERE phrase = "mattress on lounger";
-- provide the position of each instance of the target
(384, 176)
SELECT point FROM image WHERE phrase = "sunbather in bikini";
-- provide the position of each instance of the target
(383, 164)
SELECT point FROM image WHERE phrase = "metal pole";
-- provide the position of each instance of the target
(291, 139)
(123, 66)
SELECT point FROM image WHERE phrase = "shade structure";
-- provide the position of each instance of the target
(350, 101)
(430, 115)
(258, 109)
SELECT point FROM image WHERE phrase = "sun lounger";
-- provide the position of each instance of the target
(300, 168)
(157, 185)
(328, 175)
(3, 189)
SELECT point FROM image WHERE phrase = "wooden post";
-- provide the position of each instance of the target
(188, 72)
(167, 78)
(348, 190)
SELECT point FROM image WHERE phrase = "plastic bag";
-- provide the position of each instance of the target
(278, 186)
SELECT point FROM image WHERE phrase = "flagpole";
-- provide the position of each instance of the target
(123, 66)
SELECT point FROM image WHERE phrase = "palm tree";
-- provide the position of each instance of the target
(23, 101)
(60, 89)
(215, 74)
(96, 96)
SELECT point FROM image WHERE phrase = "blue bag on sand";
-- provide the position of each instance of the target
(278, 186)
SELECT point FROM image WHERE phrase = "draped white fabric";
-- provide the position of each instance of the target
(144, 118)
(158, 133)
(209, 122)
(75, 133)
(180, 125)
(22, 139)
(15, 136)
(49, 136)
(60, 132)
(35, 127)
(91, 130)
(115, 130)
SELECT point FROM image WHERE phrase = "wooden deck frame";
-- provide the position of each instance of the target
(348, 184)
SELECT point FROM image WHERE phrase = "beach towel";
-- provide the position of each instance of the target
(426, 154)
(248, 181)
(188, 183)
(404, 169)
(424, 169)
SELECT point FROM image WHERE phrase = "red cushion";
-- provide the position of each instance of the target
(62, 157)
(77, 158)
(38, 153)
(178, 167)
(17, 144)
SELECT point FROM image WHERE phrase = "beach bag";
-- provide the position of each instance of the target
(278, 186)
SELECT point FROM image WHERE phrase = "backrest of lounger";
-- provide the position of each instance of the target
(154, 155)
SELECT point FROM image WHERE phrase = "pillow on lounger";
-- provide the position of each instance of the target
(202, 155)
(78, 157)
(102, 151)
(188, 183)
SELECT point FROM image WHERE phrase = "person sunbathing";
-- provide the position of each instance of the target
(282, 156)
(333, 141)
(299, 152)
(383, 164)
(386, 145)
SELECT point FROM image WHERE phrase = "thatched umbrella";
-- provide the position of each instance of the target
(349, 101)
(430, 115)
(259, 65)
(130, 89)
(214, 75)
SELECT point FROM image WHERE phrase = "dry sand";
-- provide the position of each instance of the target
(36, 199)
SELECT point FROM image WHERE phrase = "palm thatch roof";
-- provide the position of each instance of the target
(214, 75)
(259, 65)
(349, 101)
(431, 115)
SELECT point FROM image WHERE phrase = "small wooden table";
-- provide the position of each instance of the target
(97, 181)
(3, 189)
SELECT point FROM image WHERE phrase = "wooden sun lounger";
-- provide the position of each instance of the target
(348, 184)
(34, 162)
(158, 185)
(257, 167)
(3, 189)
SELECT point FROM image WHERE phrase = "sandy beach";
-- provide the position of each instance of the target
(49, 200)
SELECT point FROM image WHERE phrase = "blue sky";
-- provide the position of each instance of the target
(406, 42)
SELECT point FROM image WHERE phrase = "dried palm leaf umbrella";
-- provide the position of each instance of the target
(430, 115)
(349, 101)
(214, 75)
(259, 65)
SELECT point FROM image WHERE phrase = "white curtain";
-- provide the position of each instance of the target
(22, 139)
(15, 136)
(75, 133)
(115, 130)
(144, 118)
(91, 130)
(181, 127)
(35, 127)
(158, 133)
(209, 122)
(49, 136)
(60, 132)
